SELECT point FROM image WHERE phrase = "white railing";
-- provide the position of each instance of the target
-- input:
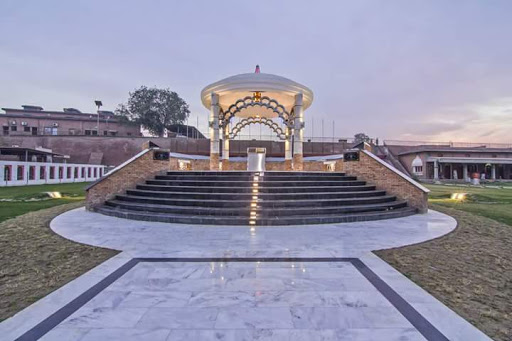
(20, 173)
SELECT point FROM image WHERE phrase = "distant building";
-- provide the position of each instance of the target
(34, 120)
(445, 162)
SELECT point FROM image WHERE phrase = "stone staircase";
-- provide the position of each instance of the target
(251, 198)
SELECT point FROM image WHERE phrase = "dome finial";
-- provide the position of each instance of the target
(257, 69)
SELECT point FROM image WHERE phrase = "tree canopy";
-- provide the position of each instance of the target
(361, 137)
(155, 109)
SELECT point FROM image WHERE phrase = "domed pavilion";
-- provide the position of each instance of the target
(257, 98)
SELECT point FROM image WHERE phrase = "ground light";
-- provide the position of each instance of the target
(458, 196)
(54, 195)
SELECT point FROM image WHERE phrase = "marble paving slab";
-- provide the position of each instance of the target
(190, 282)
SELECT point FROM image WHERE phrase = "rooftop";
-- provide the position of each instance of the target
(483, 149)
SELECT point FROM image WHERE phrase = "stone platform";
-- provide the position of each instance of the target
(193, 282)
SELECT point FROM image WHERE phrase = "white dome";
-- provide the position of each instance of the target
(233, 88)
(417, 162)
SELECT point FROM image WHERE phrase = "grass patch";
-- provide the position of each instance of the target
(34, 261)
(469, 270)
(490, 202)
(15, 201)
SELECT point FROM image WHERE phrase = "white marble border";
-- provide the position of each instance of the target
(453, 326)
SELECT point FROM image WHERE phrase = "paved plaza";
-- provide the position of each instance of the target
(192, 282)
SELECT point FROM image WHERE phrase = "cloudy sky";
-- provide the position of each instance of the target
(414, 70)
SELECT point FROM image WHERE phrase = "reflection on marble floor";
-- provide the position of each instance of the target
(238, 301)
(150, 239)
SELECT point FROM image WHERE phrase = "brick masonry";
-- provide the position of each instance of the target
(124, 178)
(375, 173)
(214, 161)
(298, 162)
(274, 166)
(115, 149)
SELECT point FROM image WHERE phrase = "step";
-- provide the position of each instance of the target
(266, 173)
(296, 220)
(250, 177)
(259, 203)
(246, 183)
(249, 196)
(259, 212)
(248, 189)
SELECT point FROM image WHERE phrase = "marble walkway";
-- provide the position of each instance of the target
(189, 282)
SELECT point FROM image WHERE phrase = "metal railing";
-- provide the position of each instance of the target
(449, 144)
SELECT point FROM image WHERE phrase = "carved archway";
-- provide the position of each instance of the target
(257, 120)
(264, 102)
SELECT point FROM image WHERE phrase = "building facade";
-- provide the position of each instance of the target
(34, 120)
(455, 163)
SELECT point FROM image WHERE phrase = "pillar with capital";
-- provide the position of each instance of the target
(298, 133)
(225, 147)
(436, 170)
(214, 132)
(288, 149)
(493, 172)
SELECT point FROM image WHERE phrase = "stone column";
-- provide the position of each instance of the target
(436, 170)
(225, 150)
(465, 172)
(298, 133)
(493, 172)
(214, 132)
(288, 150)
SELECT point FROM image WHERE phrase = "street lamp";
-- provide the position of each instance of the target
(98, 104)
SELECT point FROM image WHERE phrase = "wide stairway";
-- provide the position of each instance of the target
(252, 198)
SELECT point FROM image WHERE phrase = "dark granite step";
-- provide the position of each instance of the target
(259, 203)
(243, 183)
(264, 221)
(249, 196)
(257, 178)
(269, 173)
(259, 212)
(248, 189)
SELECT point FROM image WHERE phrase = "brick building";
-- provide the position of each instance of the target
(452, 162)
(34, 120)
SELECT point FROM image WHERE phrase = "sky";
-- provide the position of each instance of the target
(431, 70)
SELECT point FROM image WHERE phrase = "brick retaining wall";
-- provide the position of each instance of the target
(377, 173)
(134, 171)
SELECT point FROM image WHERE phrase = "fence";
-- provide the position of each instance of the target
(18, 173)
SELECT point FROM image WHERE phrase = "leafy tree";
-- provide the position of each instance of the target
(361, 137)
(155, 109)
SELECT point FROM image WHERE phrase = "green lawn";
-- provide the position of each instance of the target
(33, 198)
(494, 203)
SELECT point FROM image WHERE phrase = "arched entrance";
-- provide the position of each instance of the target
(257, 98)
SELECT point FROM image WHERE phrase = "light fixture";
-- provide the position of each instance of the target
(256, 96)
(458, 196)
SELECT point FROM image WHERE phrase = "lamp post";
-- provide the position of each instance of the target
(98, 104)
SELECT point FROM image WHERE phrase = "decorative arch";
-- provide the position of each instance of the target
(257, 120)
(265, 102)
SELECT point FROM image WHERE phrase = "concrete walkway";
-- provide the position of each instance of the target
(189, 282)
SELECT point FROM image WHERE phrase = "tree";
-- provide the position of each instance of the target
(155, 109)
(361, 137)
